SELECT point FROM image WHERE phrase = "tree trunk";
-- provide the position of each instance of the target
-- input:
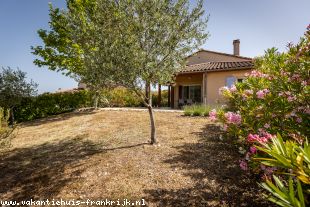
(152, 120)
(169, 98)
(153, 129)
(147, 91)
(159, 95)
(96, 100)
(148, 102)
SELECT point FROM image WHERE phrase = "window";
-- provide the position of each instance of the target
(191, 92)
(195, 93)
(230, 81)
(240, 80)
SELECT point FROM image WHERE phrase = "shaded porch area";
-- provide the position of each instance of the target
(187, 89)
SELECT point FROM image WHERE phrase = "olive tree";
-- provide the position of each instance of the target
(13, 88)
(134, 44)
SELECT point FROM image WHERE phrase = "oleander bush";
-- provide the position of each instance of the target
(269, 116)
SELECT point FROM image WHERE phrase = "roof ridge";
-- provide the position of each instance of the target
(221, 53)
(197, 64)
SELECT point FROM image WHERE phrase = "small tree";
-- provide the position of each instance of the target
(80, 44)
(157, 35)
(130, 43)
(13, 88)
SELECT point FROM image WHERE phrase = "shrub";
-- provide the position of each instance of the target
(119, 97)
(274, 99)
(5, 130)
(164, 98)
(51, 103)
(292, 161)
(56, 103)
(196, 110)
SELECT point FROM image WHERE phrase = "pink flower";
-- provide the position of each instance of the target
(253, 137)
(248, 92)
(258, 74)
(291, 98)
(233, 88)
(304, 83)
(243, 165)
(299, 120)
(261, 93)
(261, 139)
(267, 126)
(253, 150)
(233, 118)
(212, 115)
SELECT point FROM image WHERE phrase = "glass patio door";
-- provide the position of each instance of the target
(190, 94)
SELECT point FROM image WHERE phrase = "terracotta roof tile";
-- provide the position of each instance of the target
(218, 66)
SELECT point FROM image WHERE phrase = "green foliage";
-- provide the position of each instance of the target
(51, 103)
(288, 156)
(5, 130)
(285, 196)
(164, 98)
(293, 163)
(14, 87)
(133, 44)
(275, 99)
(196, 110)
(56, 103)
(119, 97)
(105, 42)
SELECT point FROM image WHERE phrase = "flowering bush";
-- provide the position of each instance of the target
(273, 99)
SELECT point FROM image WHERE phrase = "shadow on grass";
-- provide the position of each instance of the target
(39, 172)
(55, 118)
(217, 179)
(127, 147)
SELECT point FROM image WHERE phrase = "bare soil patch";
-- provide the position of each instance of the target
(105, 154)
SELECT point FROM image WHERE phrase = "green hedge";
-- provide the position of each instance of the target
(50, 104)
(56, 103)
(122, 97)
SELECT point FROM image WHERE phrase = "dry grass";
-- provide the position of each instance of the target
(106, 155)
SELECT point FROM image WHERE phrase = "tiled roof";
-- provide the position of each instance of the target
(218, 66)
(220, 53)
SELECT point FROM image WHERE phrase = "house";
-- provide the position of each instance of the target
(205, 73)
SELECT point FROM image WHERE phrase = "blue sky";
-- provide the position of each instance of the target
(259, 24)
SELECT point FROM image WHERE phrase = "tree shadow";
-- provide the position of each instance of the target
(40, 172)
(213, 167)
(55, 118)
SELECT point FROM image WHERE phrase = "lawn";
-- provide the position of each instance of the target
(105, 154)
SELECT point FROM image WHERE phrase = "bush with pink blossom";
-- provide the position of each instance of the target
(273, 99)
